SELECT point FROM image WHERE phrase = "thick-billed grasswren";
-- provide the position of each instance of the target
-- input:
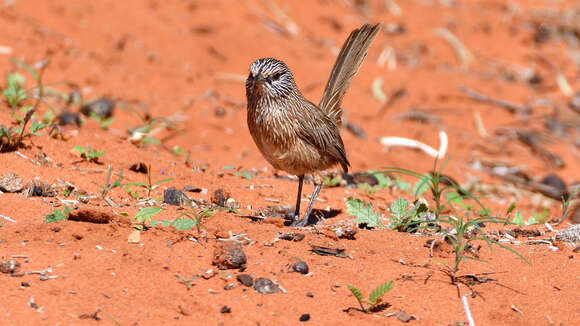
(294, 134)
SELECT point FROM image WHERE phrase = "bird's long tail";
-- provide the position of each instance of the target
(349, 60)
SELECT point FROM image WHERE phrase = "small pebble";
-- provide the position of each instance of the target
(68, 118)
(174, 196)
(9, 266)
(226, 310)
(300, 267)
(265, 286)
(229, 254)
(102, 107)
(305, 317)
(11, 182)
(245, 279)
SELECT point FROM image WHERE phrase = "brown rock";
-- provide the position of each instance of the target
(229, 255)
(91, 215)
(11, 182)
(220, 197)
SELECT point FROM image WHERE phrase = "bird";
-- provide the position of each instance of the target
(294, 134)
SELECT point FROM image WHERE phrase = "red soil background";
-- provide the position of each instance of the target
(187, 60)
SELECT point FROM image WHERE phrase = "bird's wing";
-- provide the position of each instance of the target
(322, 133)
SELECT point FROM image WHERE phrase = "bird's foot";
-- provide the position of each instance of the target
(300, 223)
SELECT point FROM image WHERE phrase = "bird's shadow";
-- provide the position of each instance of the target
(316, 215)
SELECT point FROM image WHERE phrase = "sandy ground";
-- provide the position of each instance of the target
(187, 61)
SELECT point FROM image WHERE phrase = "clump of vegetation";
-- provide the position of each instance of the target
(374, 298)
(57, 215)
(364, 213)
(89, 154)
(108, 186)
(148, 186)
(460, 230)
(16, 96)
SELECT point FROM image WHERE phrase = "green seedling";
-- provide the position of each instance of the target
(466, 229)
(14, 93)
(566, 204)
(364, 213)
(374, 298)
(405, 216)
(149, 186)
(144, 216)
(382, 182)
(187, 282)
(104, 123)
(89, 154)
(108, 186)
(57, 215)
(331, 182)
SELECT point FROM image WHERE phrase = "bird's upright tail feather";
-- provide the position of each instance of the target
(349, 60)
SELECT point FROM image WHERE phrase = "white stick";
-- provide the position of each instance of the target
(467, 311)
(406, 142)
(8, 218)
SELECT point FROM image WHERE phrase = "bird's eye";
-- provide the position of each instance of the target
(276, 76)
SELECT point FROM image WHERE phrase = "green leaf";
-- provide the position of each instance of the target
(454, 197)
(183, 224)
(151, 140)
(358, 295)
(379, 292)
(246, 174)
(421, 185)
(80, 149)
(162, 181)
(402, 184)
(518, 219)
(510, 209)
(146, 213)
(364, 213)
(400, 208)
(57, 215)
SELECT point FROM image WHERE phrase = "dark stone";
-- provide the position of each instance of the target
(300, 267)
(102, 107)
(245, 279)
(139, 167)
(220, 197)
(173, 196)
(265, 286)
(226, 310)
(557, 184)
(25, 284)
(305, 317)
(230, 255)
(68, 118)
(309, 294)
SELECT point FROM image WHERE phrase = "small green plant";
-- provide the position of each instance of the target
(89, 154)
(383, 181)
(144, 215)
(331, 182)
(405, 216)
(14, 93)
(108, 186)
(187, 282)
(149, 185)
(374, 298)
(566, 204)
(364, 213)
(104, 123)
(465, 229)
(57, 215)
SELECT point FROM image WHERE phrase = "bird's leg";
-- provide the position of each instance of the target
(304, 219)
(297, 212)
